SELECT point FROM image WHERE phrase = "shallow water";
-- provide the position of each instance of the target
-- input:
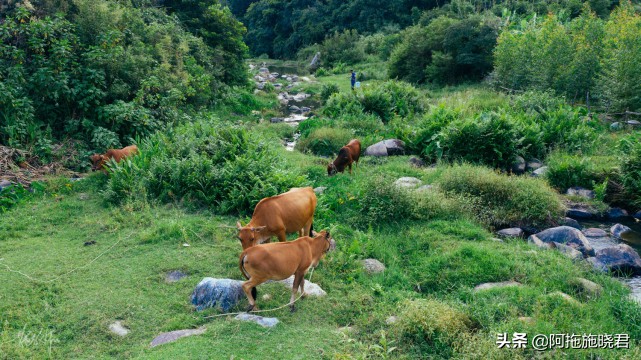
(288, 69)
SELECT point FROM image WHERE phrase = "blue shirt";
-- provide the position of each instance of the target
(353, 77)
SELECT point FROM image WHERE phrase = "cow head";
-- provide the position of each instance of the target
(324, 236)
(248, 234)
(98, 162)
(331, 169)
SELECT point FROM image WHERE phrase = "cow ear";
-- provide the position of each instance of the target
(238, 226)
(327, 235)
(258, 229)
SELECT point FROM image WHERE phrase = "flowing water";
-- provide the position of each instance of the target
(632, 238)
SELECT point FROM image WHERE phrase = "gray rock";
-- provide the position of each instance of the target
(373, 266)
(511, 233)
(424, 188)
(5, 184)
(570, 222)
(533, 164)
(616, 214)
(174, 276)
(305, 109)
(587, 287)
(388, 147)
(262, 321)
(518, 166)
(288, 78)
(540, 171)
(278, 85)
(619, 258)
(565, 297)
(594, 232)
(416, 162)
(263, 70)
(118, 329)
(633, 123)
(408, 182)
(568, 251)
(567, 235)
(275, 120)
(321, 189)
(260, 85)
(175, 335)
(581, 213)
(502, 284)
(582, 192)
(637, 215)
(596, 264)
(615, 126)
(391, 320)
(294, 108)
(617, 229)
(533, 239)
(315, 64)
(310, 288)
(83, 196)
(222, 293)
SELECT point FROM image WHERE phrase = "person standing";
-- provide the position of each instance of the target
(353, 78)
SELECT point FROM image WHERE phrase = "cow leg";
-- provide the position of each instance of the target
(282, 235)
(302, 288)
(298, 278)
(350, 168)
(308, 228)
(249, 287)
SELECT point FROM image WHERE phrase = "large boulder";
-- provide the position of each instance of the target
(620, 258)
(568, 236)
(222, 293)
(315, 64)
(518, 166)
(416, 162)
(594, 232)
(568, 251)
(389, 147)
(511, 233)
(581, 192)
(570, 222)
(617, 229)
(373, 266)
(582, 213)
(540, 171)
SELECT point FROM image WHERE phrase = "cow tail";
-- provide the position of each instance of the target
(241, 265)
(311, 229)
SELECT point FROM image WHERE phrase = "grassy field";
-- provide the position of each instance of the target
(58, 296)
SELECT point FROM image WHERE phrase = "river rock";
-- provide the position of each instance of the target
(275, 120)
(315, 64)
(633, 123)
(174, 276)
(264, 70)
(172, 336)
(118, 329)
(373, 266)
(511, 233)
(587, 287)
(389, 147)
(565, 297)
(305, 109)
(502, 284)
(618, 229)
(294, 108)
(222, 293)
(533, 164)
(310, 287)
(637, 215)
(566, 235)
(615, 126)
(616, 214)
(617, 258)
(262, 321)
(594, 232)
(568, 251)
(518, 166)
(570, 222)
(582, 192)
(427, 187)
(319, 190)
(391, 320)
(260, 85)
(408, 182)
(540, 171)
(581, 213)
(416, 162)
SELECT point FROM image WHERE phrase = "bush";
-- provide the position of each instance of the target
(490, 139)
(631, 175)
(500, 200)
(328, 90)
(324, 141)
(428, 323)
(342, 47)
(565, 170)
(202, 164)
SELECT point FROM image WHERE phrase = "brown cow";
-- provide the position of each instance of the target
(100, 160)
(279, 261)
(347, 155)
(278, 216)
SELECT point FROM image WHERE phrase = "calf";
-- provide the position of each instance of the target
(279, 261)
(278, 216)
(100, 160)
(347, 155)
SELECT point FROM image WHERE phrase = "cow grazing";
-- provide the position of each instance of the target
(100, 160)
(278, 216)
(347, 155)
(279, 261)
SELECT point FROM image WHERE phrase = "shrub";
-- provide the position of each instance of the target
(422, 138)
(202, 164)
(490, 139)
(500, 200)
(342, 47)
(566, 170)
(324, 141)
(631, 175)
(428, 323)
(328, 90)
